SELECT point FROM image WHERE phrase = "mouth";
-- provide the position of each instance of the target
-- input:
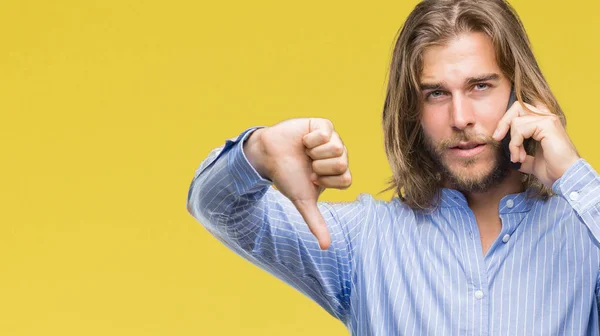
(467, 149)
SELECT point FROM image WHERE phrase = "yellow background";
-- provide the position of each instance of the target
(108, 107)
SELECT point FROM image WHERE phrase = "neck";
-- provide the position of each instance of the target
(489, 200)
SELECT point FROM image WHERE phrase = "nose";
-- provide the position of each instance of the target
(462, 114)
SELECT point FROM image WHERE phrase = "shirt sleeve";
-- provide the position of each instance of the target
(598, 295)
(241, 209)
(580, 187)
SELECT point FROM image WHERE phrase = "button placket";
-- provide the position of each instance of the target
(479, 294)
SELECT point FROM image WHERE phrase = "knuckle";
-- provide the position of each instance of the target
(346, 180)
(337, 149)
(340, 166)
(517, 126)
(323, 136)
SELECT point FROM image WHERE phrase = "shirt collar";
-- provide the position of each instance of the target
(511, 203)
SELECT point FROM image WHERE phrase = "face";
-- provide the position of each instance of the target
(464, 96)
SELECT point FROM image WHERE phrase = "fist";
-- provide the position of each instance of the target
(302, 157)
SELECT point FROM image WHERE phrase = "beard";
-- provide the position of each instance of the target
(462, 175)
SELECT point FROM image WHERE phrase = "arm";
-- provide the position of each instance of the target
(239, 207)
(580, 187)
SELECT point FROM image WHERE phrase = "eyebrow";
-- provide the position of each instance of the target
(468, 81)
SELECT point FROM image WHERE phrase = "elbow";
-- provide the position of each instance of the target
(193, 202)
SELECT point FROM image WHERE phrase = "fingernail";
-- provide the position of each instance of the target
(496, 133)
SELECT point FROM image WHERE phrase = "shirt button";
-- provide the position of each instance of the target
(510, 203)
(574, 196)
(506, 238)
(478, 295)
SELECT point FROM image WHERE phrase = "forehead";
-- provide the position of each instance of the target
(467, 55)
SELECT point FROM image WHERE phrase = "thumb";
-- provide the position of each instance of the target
(312, 216)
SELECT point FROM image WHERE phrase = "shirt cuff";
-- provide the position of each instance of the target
(580, 186)
(245, 178)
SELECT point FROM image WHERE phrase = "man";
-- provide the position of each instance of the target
(470, 246)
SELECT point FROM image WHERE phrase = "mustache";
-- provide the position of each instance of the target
(459, 137)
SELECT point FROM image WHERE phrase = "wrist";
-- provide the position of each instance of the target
(254, 151)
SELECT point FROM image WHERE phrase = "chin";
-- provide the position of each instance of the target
(474, 175)
(473, 171)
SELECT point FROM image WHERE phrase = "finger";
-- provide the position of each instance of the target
(333, 148)
(515, 145)
(525, 128)
(506, 121)
(342, 182)
(523, 155)
(514, 148)
(332, 166)
(539, 109)
(320, 131)
(316, 138)
(527, 165)
(313, 218)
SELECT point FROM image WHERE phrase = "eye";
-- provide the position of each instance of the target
(434, 94)
(481, 86)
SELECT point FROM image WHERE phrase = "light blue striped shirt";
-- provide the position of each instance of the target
(391, 270)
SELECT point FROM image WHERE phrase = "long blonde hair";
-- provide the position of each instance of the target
(435, 22)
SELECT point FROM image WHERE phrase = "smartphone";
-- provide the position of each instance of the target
(506, 140)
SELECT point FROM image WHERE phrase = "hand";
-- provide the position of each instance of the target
(556, 153)
(302, 157)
